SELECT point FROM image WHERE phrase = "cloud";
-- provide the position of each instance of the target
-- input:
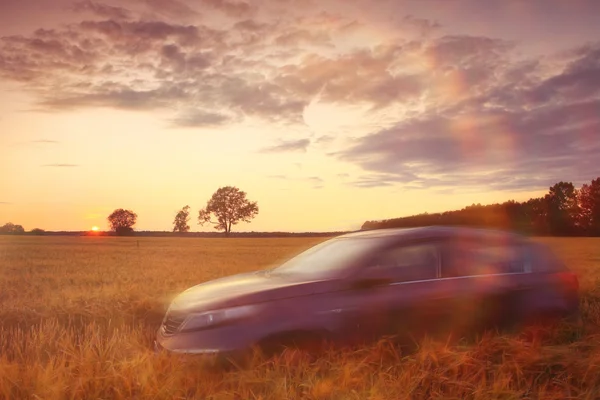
(61, 165)
(362, 76)
(131, 64)
(141, 64)
(287, 146)
(179, 61)
(250, 25)
(200, 119)
(255, 97)
(315, 181)
(324, 139)
(38, 59)
(134, 31)
(460, 110)
(146, 65)
(127, 100)
(170, 8)
(422, 26)
(298, 37)
(580, 80)
(5, 203)
(45, 141)
(522, 134)
(382, 180)
(102, 10)
(235, 9)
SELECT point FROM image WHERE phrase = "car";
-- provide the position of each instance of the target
(366, 285)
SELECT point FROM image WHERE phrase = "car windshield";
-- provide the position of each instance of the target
(327, 258)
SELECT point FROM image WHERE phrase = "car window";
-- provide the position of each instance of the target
(408, 263)
(477, 259)
(328, 258)
(543, 259)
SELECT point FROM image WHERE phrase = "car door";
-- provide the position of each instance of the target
(389, 293)
(479, 281)
(545, 288)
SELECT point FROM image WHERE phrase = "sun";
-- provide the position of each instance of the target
(95, 228)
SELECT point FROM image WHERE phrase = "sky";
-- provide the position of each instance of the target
(327, 113)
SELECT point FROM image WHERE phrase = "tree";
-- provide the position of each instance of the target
(537, 215)
(11, 228)
(122, 221)
(37, 231)
(230, 206)
(589, 204)
(562, 208)
(180, 224)
(563, 211)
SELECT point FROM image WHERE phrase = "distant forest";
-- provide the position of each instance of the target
(563, 211)
(40, 232)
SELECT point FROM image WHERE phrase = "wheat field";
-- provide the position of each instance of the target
(78, 316)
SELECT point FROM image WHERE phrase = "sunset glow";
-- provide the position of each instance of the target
(327, 115)
(95, 228)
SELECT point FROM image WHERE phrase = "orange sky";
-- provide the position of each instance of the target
(327, 115)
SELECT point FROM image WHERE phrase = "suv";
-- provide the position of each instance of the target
(369, 284)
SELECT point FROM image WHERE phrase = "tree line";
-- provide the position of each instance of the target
(563, 211)
(10, 228)
(14, 229)
(227, 207)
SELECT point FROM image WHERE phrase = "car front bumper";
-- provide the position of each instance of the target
(158, 348)
(218, 341)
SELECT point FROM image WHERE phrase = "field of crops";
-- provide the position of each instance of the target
(78, 316)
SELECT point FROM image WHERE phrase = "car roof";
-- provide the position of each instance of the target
(426, 232)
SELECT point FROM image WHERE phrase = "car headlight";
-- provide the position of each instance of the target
(209, 319)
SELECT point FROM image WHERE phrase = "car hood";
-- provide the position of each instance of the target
(248, 288)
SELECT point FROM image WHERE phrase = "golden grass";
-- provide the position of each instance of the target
(78, 316)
